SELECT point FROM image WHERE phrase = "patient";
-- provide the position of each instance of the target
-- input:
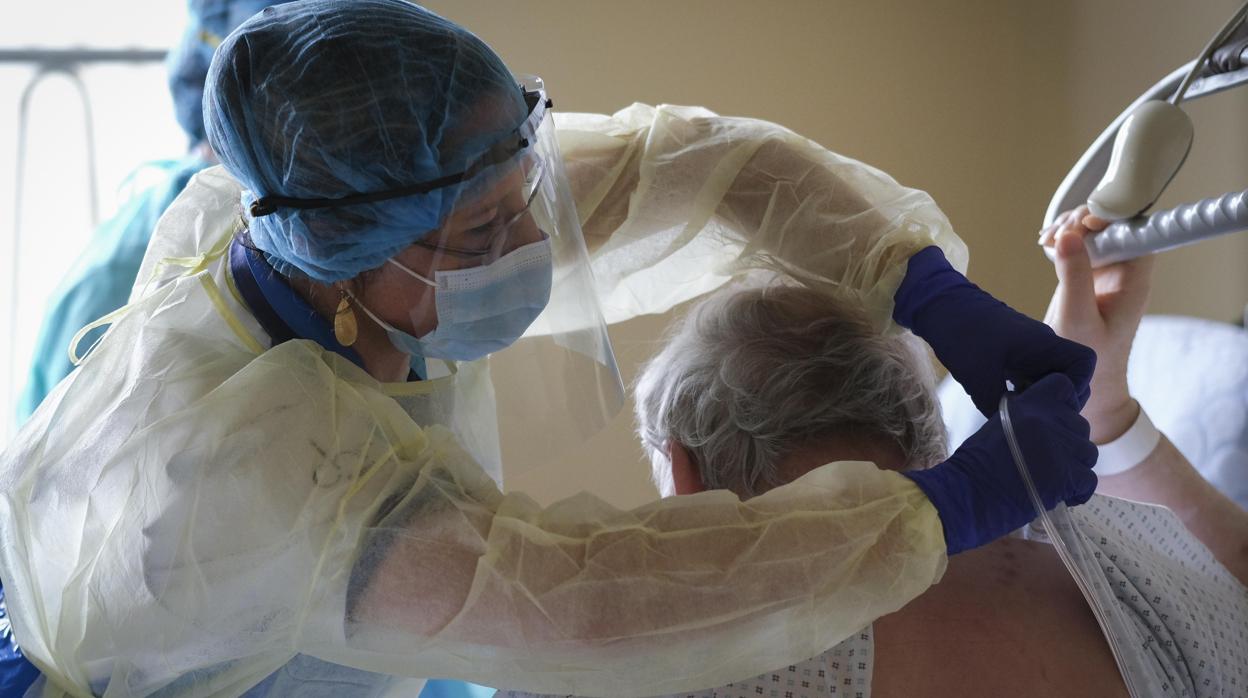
(757, 387)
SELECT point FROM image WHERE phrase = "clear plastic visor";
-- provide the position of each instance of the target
(558, 384)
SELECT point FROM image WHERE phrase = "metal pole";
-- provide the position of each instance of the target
(48, 61)
(53, 57)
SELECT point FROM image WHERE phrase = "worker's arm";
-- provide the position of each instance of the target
(582, 598)
(673, 200)
(687, 592)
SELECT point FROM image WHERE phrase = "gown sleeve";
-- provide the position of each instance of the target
(188, 512)
(293, 509)
(684, 593)
(674, 201)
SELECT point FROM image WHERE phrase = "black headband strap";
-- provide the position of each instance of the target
(265, 205)
(269, 204)
(537, 103)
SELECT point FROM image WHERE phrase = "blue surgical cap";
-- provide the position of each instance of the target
(208, 22)
(322, 99)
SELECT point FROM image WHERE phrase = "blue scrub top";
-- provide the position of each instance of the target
(282, 312)
(16, 672)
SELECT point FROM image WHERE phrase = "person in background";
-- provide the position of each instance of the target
(100, 279)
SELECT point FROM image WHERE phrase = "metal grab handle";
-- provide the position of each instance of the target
(1083, 177)
(1162, 230)
(1165, 230)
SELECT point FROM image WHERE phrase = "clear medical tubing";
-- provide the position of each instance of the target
(1133, 659)
(1164, 230)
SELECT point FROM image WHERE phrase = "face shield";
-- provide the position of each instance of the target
(559, 384)
(513, 278)
(510, 285)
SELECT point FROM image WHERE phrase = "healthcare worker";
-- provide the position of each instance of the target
(277, 472)
(102, 276)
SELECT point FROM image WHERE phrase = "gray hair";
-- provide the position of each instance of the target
(749, 376)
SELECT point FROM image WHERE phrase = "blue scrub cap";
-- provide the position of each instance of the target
(325, 99)
(208, 23)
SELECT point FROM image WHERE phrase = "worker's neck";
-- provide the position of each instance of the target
(381, 359)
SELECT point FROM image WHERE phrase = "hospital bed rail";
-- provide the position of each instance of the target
(1164, 229)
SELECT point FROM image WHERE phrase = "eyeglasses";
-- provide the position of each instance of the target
(498, 231)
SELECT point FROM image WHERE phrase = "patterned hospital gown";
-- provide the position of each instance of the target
(1189, 613)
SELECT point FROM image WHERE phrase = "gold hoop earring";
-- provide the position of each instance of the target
(346, 329)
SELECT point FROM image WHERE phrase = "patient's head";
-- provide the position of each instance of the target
(757, 387)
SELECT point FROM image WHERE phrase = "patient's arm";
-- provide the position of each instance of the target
(1102, 309)
(1166, 477)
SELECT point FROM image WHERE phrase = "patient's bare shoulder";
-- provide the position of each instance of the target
(1006, 620)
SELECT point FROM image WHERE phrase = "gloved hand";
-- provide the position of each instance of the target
(982, 341)
(979, 493)
(16, 672)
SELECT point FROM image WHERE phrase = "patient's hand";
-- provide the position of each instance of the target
(1100, 308)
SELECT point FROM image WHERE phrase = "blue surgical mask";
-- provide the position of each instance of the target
(482, 309)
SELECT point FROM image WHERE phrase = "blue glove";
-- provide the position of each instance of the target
(16, 672)
(979, 493)
(982, 341)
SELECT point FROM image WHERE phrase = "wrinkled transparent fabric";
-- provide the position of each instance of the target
(674, 201)
(190, 510)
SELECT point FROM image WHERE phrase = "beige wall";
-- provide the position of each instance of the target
(985, 104)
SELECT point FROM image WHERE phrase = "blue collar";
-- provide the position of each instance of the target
(283, 314)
